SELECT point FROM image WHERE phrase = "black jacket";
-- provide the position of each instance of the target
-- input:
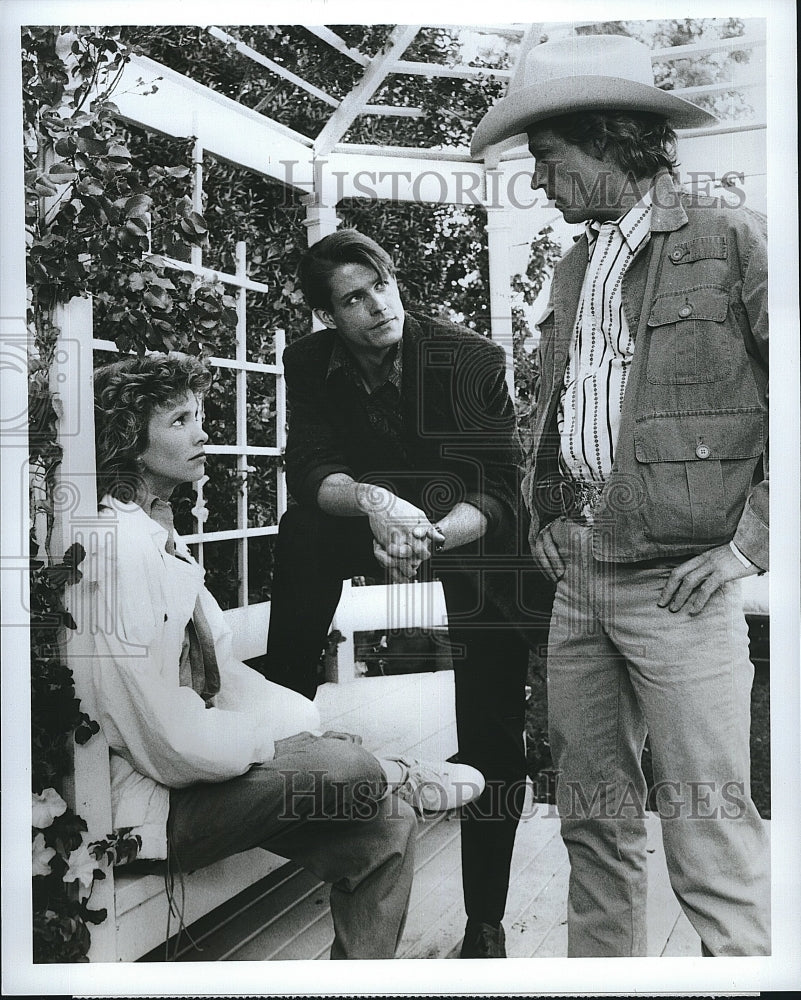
(460, 440)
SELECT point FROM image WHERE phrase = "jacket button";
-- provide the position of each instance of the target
(677, 254)
(685, 311)
(702, 451)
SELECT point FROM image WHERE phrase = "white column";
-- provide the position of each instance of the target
(320, 219)
(15, 704)
(76, 520)
(321, 212)
(499, 226)
(321, 205)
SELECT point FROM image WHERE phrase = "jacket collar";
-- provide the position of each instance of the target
(634, 225)
(143, 520)
(668, 212)
(342, 360)
(146, 524)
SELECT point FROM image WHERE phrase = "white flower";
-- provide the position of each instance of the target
(41, 855)
(45, 808)
(81, 865)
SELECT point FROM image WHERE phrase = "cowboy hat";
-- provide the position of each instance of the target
(583, 73)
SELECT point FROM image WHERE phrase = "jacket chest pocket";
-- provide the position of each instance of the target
(690, 343)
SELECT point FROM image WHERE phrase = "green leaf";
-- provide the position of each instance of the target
(116, 152)
(66, 146)
(159, 281)
(44, 189)
(90, 185)
(62, 173)
(198, 222)
(90, 144)
(136, 226)
(157, 298)
(75, 554)
(95, 916)
(138, 205)
(95, 207)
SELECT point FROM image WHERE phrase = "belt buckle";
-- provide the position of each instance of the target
(587, 497)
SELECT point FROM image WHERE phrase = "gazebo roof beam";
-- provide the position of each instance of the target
(532, 33)
(693, 49)
(502, 30)
(332, 38)
(392, 111)
(713, 88)
(183, 107)
(454, 154)
(458, 72)
(274, 67)
(549, 26)
(724, 129)
(353, 104)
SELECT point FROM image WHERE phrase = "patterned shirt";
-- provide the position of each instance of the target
(601, 353)
(382, 405)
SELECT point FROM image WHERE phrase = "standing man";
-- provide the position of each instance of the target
(648, 498)
(403, 458)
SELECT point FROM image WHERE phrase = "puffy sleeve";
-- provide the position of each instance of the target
(164, 730)
(274, 709)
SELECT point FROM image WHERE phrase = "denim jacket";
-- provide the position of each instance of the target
(690, 468)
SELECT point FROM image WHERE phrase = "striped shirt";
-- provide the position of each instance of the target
(601, 353)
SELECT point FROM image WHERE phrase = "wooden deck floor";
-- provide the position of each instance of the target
(286, 916)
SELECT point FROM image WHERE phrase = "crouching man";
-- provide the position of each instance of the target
(403, 457)
(208, 758)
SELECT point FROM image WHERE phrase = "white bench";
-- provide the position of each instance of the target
(136, 903)
(394, 607)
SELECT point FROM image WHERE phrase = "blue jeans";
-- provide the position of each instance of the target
(619, 667)
(325, 806)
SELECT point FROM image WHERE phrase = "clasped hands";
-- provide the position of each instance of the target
(403, 536)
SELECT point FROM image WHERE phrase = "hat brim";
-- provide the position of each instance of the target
(517, 112)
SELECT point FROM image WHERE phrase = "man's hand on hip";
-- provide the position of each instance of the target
(692, 583)
(549, 549)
